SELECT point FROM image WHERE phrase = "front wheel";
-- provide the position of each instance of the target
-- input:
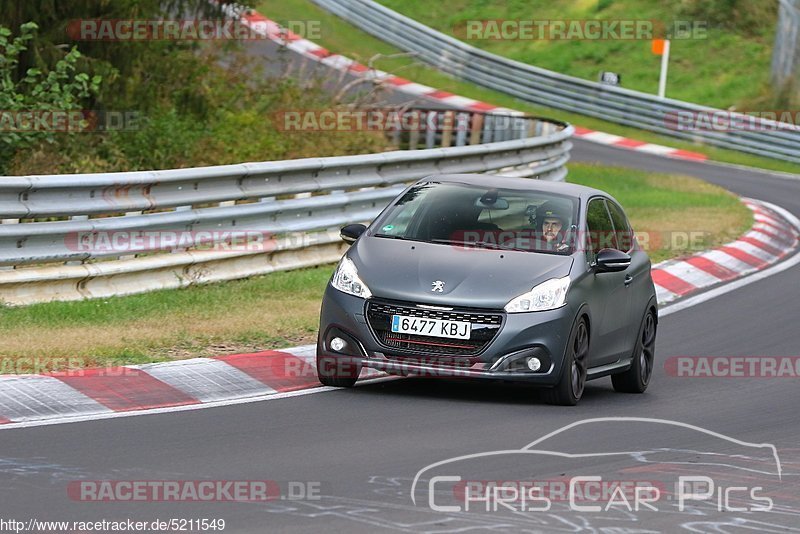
(637, 378)
(569, 389)
(338, 372)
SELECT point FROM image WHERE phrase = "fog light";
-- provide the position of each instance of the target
(534, 364)
(337, 344)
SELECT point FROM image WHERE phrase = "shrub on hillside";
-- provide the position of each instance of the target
(36, 92)
(218, 113)
(748, 17)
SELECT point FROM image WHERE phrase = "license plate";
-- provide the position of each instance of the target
(403, 324)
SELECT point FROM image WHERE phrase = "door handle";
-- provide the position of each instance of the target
(628, 279)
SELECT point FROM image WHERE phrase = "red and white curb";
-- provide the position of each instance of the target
(310, 50)
(639, 146)
(771, 238)
(88, 393)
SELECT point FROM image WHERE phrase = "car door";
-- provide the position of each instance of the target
(637, 276)
(609, 297)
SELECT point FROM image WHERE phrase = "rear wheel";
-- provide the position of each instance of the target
(569, 389)
(637, 378)
(338, 372)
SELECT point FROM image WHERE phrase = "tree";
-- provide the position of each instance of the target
(60, 89)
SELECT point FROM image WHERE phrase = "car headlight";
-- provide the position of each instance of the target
(548, 295)
(346, 280)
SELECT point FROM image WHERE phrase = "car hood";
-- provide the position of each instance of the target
(473, 277)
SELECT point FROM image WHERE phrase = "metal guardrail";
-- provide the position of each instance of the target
(786, 51)
(541, 86)
(57, 240)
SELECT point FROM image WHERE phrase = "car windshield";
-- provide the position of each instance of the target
(479, 216)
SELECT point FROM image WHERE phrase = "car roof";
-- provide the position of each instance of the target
(523, 184)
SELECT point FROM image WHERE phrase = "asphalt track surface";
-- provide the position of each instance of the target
(363, 447)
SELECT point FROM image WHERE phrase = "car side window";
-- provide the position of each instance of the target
(601, 230)
(622, 229)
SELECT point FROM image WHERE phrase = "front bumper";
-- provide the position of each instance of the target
(521, 335)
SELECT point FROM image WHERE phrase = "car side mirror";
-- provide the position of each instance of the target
(351, 232)
(610, 260)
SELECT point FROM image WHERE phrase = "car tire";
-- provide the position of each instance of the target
(637, 378)
(338, 372)
(572, 383)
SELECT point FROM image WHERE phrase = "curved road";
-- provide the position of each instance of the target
(356, 452)
(364, 446)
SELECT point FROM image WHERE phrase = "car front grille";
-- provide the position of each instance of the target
(485, 326)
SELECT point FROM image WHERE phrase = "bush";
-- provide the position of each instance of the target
(60, 89)
(748, 17)
(215, 115)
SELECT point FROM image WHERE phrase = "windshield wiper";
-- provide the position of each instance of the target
(481, 244)
(493, 246)
(389, 236)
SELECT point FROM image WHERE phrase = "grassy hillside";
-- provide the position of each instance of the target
(342, 38)
(730, 67)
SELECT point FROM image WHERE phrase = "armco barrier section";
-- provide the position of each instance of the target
(541, 86)
(67, 237)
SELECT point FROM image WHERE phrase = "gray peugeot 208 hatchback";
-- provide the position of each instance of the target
(478, 276)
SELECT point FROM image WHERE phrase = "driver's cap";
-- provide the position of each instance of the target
(550, 210)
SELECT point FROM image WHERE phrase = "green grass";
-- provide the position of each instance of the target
(282, 309)
(340, 37)
(272, 311)
(727, 67)
(667, 209)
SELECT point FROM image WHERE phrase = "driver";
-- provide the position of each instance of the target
(551, 221)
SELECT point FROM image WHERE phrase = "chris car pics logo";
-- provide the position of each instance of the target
(654, 480)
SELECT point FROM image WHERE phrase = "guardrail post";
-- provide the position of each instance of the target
(462, 123)
(501, 128)
(414, 133)
(77, 218)
(130, 214)
(488, 128)
(522, 126)
(432, 122)
(180, 208)
(477, 128)
(397, 134)
(8, 221)
(447, 129)
(534, 127)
